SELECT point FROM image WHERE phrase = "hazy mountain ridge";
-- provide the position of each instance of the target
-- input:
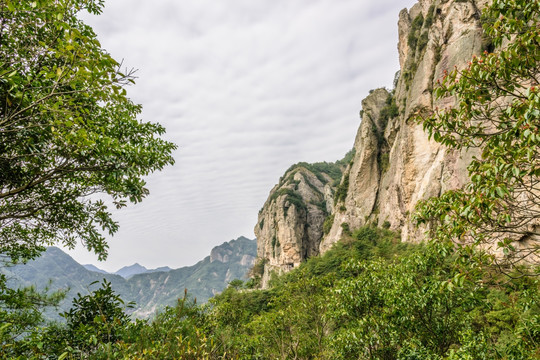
(95, 269)
(128, 271)
(150, 291)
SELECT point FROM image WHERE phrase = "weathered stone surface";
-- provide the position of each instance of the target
(395, 163)
(364, 172)
(418, 168)
(289, 227)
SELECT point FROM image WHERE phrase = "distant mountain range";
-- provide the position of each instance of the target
(128, 271)
(95, 269)
(151, 290)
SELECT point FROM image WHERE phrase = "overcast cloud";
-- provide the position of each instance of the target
(245, 88)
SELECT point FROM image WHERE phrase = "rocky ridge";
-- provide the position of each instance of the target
(150, 290)
(395, 163)
(290, 224)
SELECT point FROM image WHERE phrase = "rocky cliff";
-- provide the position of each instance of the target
(290, 224)
(395, 163)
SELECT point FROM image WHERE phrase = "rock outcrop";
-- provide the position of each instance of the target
(395, 163)
(290, 224)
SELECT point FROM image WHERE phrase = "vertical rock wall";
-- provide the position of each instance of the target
(396, 165)
(290, 224)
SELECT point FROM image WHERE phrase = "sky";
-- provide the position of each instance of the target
(245, 88)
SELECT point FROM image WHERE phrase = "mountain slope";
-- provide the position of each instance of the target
(94, 269)
(57, 270)
(231, 260)
(150, 291)
(128, 271)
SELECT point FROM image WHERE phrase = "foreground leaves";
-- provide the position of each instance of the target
(497, 110)
(67, 130)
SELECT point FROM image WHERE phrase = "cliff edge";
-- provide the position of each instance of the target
(394, 163)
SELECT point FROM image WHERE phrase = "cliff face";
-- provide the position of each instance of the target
(290, 224)
(396, 165)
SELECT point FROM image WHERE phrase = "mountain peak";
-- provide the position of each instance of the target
(94, 269)
(128, 271)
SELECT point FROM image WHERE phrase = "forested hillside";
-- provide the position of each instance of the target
(426, 248)
(370, 297)
(149, 292)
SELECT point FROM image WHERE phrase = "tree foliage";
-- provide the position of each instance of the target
(497, 110)
(21, 310)
(371, 297)
(67, 130)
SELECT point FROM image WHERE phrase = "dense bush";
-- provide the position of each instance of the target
(369, 297)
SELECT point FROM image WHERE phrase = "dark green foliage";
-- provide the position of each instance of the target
(291, 196)
(20, 312)
(67, 130)
(275, 243)
(321, 205)
(175, 333)
(369, 297)
(347, 159)
(342, 189)
(346, 229)
(363, 244)
(318, 169)
(100, 315)
(327, 225)
(256, 272)
(384, 161)
(422, 41)
(390, 110)
(496, 113)
(430, 16)
(416, 27)
(334, 170)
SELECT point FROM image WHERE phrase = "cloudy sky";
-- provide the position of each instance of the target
(245, 88)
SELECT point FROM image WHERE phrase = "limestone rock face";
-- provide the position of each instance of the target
(396, 164)
(364, 173)
(290, 224)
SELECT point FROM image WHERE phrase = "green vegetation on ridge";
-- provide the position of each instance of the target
(149, 291)
(332, 169)
(370, 297)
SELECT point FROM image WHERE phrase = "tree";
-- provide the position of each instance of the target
(67, 130)
(20, 310)
(100, 314)
(497, 110)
